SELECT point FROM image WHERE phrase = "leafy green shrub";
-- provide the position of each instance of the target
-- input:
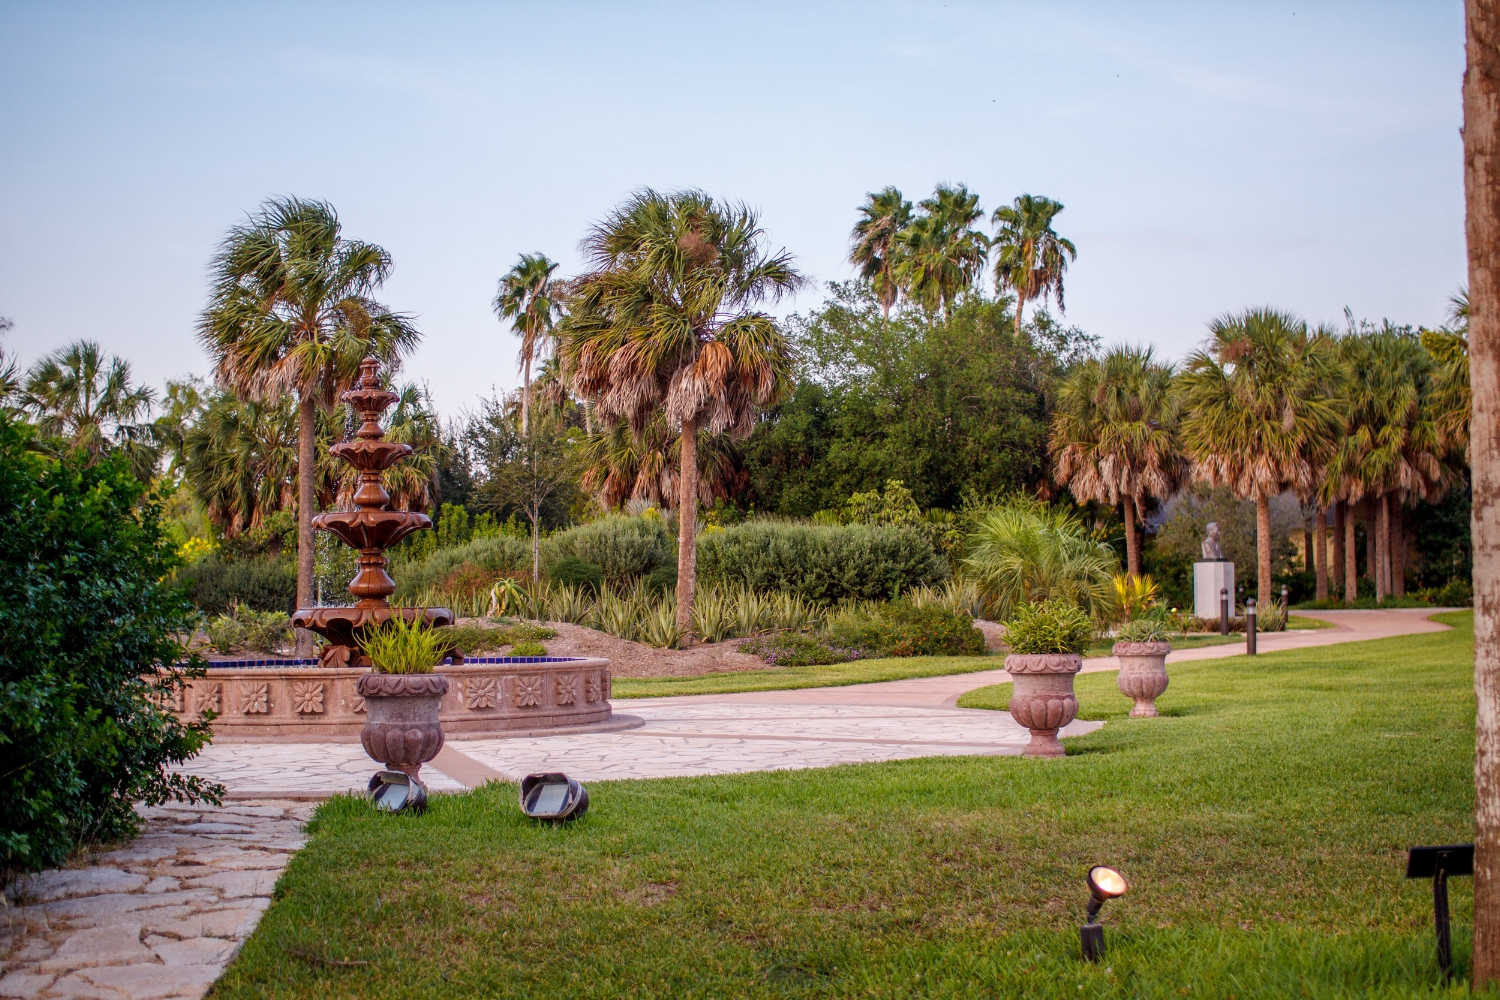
(570, 571)
(820, 562)
(262, 583)
(901, 628)
(472, 640)
(247, 629)
(796, 649)
(528, 649)
(1055, 626)
(624, 548)
(87, 610)
(403, 647)
(1143, 630)
(494, 554)
(663, 578)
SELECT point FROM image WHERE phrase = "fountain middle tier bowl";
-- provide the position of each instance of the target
(370, 456)
(490, 696)
(371, 529)
(338, 625)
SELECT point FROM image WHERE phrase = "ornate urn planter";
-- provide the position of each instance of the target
(402, 729)
(1143, 674)
(1043, 699)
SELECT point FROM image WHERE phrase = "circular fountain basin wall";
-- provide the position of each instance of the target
(486, 696)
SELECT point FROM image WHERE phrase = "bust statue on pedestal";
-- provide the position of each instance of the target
(1212, 550)
(1212, 575)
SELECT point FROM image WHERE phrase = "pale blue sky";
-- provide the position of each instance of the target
(1211, 156)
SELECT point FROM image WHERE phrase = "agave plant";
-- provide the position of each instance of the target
(753, 613)
(659, 627)
(794, 613)
(507, 598)
(618, 614)
(714, 615)
(569, 604)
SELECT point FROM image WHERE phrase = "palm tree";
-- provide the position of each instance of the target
(664, 320)
(1114, 436)
(1024, 551)
(940, 254)
(876, 247)
(620, 466)
(1391, 446)
(1032, 257)
(1449, 348)
(85, 399)
(292, 311)
(530, 297)
(1260, 414)
(240, 458)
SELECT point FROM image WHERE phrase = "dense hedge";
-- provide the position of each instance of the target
(494, 554)
(262, 583)
(900, 628)
(623, 547)
(820, 562)
(87, 607)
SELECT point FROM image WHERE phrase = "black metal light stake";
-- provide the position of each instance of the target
(1250, 627)
(1438, 863)
(1104, 883)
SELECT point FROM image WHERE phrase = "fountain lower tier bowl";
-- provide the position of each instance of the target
(501, 696)
(371, 529)
(340, 626)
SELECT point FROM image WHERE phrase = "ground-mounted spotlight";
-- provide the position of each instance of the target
(1104, 883)
(396, 791)
(553, 796)
(1437, 863)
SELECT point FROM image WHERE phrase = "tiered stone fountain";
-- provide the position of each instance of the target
(298, 701)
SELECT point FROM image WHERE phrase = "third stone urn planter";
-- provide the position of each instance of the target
(1143, 674)
(1043, 699)
(402, 729)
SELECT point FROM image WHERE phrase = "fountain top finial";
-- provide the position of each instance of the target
(369, 399)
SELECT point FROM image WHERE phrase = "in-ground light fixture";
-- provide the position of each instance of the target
(1104, 883)
(397, 791)
(553, 796)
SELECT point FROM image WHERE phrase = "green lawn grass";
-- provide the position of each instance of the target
(1261, 821)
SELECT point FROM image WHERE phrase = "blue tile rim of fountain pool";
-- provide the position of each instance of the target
(311, 662)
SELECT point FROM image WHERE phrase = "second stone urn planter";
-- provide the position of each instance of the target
(1143, 674)
(402, 729)
(1043, 699)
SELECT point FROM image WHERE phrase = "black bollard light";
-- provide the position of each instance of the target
(1250, 627)
(1223, 610)
(1104, 883)
(1437, 863)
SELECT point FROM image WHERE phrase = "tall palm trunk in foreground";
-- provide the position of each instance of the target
(1482, 191)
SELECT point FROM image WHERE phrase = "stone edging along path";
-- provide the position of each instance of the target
(161, 917)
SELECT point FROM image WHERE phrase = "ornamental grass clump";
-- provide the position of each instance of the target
(402, 647)
(1054, 626)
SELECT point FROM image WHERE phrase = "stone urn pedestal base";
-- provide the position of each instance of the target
(402, 729)
(1143, 674)
(1043, 699)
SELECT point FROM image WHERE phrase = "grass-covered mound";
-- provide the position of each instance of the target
(1262, 822)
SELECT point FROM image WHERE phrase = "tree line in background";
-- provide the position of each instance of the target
(657, 377)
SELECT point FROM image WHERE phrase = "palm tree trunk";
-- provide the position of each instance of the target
(1372, 559)
(1263, 550)
(687, 526)
(525, 395)
(1320, 552)
(1337, 575)
(1132, 542)
(1018, 314)
(1383, 548)
(1397, 552)
(307, 461)
(1351, 557)
(1482, 189)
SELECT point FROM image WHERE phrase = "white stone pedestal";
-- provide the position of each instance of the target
(1208, 579)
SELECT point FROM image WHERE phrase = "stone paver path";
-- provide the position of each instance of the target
(158, 918)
